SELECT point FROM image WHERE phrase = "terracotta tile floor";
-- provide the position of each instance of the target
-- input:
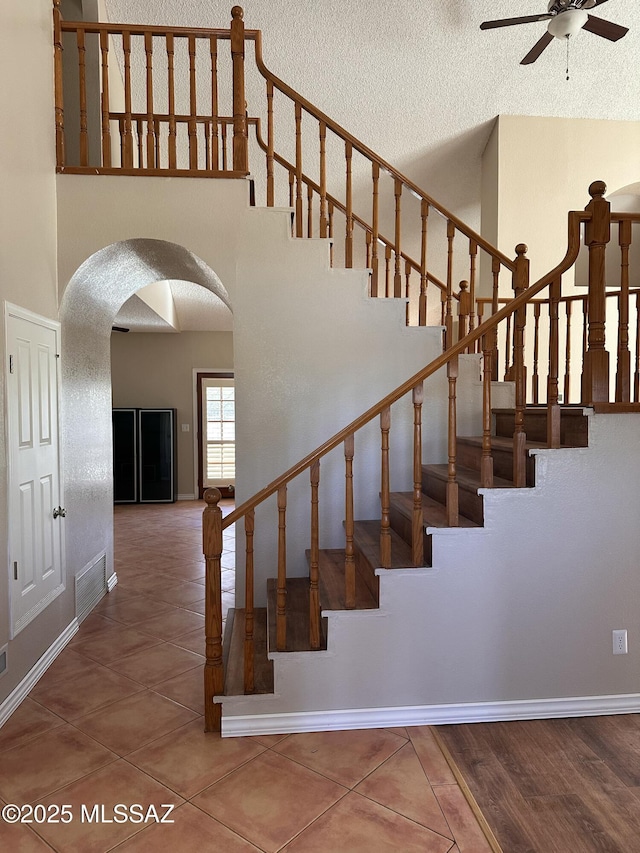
(117, 719)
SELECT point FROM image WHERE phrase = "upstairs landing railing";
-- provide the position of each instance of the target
(591, 228)
(148, 100)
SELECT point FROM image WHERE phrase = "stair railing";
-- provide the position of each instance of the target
(595, 393)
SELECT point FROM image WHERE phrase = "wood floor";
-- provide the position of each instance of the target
(554, 786)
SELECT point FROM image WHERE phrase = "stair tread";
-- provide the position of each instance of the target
(433, 512)
(367, 540)
(332, 594)
(498, 442)
(297, 608)
(465, 477)
(234, 665)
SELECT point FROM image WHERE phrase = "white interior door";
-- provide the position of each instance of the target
(36, 516)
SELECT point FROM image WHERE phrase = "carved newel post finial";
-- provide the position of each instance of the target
(237, 12)
(597, 189)
(521, 249)
(213, 497)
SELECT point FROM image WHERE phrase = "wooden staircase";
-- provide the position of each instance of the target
(366, 541)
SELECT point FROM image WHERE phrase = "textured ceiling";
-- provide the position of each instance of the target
(419, 82)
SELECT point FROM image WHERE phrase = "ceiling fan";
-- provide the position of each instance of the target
(565, 18)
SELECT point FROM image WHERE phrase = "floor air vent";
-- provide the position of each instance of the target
(91, 585)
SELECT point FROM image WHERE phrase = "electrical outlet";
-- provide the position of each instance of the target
(620, 642)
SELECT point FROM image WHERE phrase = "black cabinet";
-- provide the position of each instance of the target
(144, 455)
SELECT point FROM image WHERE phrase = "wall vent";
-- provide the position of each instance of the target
(91, 585)
(3, 660)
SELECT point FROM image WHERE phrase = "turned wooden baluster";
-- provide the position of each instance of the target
(385, 500)
(207, 145)
(223, 142)
(314, 572)
(323, 179)
(151, 142)
(348, 240)
(495, 272)
(127, 145)
(270, 147)
(520, 284)
(193, 107)
(104, 100)
(535, 380)
(407, 290)
(508, 368)
(553, 409)
(140, 142)
(375, 177)
(173, 132)
(58, 87)
(298, 204)
(309, 211)
(214, 668)
(240, 139)
(249, 667)
(567, 354)
(281, 602)
(595, 380)
(448, 320)
(452, 482)
(424, 282)
(215, 143)
(330, 234)
(292, 190)
(623, 374)
(473, 255)
(82, 95)
(367, 249)
(417, 522)
(464, 309)
(486, 461)
(397, 278)
(349, 559)
(387, 270)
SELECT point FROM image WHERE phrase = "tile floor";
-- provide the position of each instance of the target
(117, 719)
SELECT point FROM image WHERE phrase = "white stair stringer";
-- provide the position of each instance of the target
(514, 620)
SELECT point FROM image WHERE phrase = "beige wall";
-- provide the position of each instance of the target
(540, 168)
(149, 370)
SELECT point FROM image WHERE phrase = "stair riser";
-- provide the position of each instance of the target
(402, 526)
(470, 456)
(573, 428)
(367, 573)
(469, 501)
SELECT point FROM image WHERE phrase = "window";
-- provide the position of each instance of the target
(219, 432)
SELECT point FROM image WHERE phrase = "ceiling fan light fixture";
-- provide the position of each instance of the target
(567, 23)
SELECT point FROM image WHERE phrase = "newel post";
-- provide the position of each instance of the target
(520, 284)
(213, 670)
(240, 151)
(58, 96)
(595, 376)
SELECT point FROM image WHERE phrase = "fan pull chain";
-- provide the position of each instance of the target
(568, 39)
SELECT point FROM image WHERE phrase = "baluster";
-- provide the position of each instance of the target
(127, 154)
(225, 159)
(397, 279)
(486, 461)
(207, 145)
(292, 179)
(495, 272)
(58, 87)
(387, 273)
(121, 133)
(214, 667)
(314, 594)
(348, 240)
(140, 142)
(480, 313)
(567, 355)
(323, 179)
(281, 603)
(375, 178)
(422, 307)
(417, 525)
(349, 558)
(270, 147)
(367, 249)
(536, 341)
(452, 481)
(173, 159)
(553, 409)
(443, 312)
(156, 130)
(213, 50)
(249, 669)
(507, 352)
(473, 255)
(193, 106)
(448, 320)
(636, 375)
(623, 374)
(151, 146)
(585, 310)
(240, 146)
(298, 170)
(464, 309)
(520, 282)
(407, 288)
(82, 95)
(595, 385)
(331, 209)
(104, 100)
(309, 211)
(385, 500)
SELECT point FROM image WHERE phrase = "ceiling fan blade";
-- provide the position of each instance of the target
(509, 22)
(606, 29)
(598, 3)
(537, 49)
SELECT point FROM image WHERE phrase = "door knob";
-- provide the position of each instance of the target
(59, 511)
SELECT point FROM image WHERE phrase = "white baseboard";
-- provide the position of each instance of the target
(112, 581)
(36, 672)
(190, 497)
(429, 715)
